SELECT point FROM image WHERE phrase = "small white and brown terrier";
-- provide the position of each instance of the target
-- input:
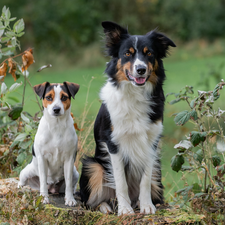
(52, 167)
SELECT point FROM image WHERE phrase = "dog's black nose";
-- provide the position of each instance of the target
(141, 69)
(56, 109)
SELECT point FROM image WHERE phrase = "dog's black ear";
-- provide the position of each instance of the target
(161, 43)
(40, 89)
(72, 88)
(114, 33)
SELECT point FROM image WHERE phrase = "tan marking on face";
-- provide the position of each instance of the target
(131, 49)
(66, 104)
(45, 102)
(153, 77)
(145, 50)
(95, 172)
(120, 75)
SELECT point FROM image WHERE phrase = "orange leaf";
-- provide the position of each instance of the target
(3, 70)
(28, 59)
(12, 68)
(76, 127)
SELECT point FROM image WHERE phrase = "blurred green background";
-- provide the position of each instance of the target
(68, 35)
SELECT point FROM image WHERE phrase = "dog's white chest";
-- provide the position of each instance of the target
(57, 144)
(133, 131)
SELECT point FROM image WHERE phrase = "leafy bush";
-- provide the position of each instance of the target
(203, 151)
(17, 128)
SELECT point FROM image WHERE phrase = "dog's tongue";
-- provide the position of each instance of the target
(140, 80)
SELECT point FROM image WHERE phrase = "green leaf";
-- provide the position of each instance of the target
(25, 145)
(196, 188)
(28, 128)
(5, 39)
(182, 117)
(197, 137)
(216, 93)
(199, 194)
(1, 32)
(199, 156)
(216, 160)
(3, 88)
(185, 190)
(15, 112)
(213, 132)
(19, 26)
(184, 145)
(193, 115)
(176, 162)
(21, 158)
(174, 101)
(15, 99)
(24, 118)
(12, 19)
(7, 13)
(186, 168)
(15, 86)
(21, 137)
(20, 34)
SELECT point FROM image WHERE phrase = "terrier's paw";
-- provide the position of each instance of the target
(148, 208)
(20, 185)
(45, 199)
(70, 201)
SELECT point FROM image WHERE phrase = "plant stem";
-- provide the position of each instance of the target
(35, 95)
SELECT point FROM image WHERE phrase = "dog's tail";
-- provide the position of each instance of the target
(93, 183)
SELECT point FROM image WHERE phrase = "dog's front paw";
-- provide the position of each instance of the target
(148, 208)
(45, 199)
(70, 201)
(125, 209)
(20, 185)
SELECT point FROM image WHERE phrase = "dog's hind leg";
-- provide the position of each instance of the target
(29, 176)
(105, 208)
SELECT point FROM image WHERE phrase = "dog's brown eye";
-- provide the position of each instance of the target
(48, 98)
(64, 98)
(149, 53)
(127, 53)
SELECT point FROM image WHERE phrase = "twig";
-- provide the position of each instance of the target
(35, 95)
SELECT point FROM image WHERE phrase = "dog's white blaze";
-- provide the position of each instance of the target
(135, 44)
(56, 102)
(133, 131)
(136, 63)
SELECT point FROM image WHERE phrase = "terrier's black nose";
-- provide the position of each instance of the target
(141, 69)
(56, 109)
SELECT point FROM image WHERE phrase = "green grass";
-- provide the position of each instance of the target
(179, 73)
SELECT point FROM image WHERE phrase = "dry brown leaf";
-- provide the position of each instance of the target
(3, 70)
(12, 68)
(77, 128)
(28, 59)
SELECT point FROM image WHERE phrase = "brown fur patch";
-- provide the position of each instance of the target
(120, 75)
(95, 171)
(145, 50)
(153, 77)
(45, 102)
(66, 104)
(131, 49)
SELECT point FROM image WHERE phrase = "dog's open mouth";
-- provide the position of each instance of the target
(137, 80)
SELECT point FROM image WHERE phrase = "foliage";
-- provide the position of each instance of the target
(66, 25)
(17, 128)
(200, 152)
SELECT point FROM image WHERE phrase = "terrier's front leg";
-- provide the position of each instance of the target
(68, 174)
(43, 170)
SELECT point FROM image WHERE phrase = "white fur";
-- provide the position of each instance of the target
(135, 135)
(55, 147)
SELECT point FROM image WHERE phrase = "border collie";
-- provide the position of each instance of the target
(128, 127)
